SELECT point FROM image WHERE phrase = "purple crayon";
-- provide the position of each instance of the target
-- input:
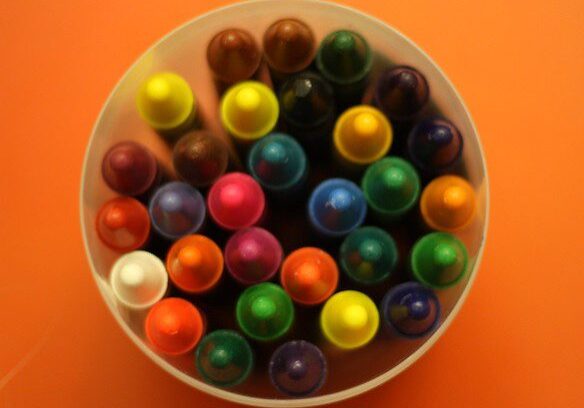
(298, 368)
(130, 169)
(177, 209)
(252, 255)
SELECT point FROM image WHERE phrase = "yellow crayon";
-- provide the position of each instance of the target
(448, 203)
(362, 135)
(166, 102)
(249, 111)
(349, 319)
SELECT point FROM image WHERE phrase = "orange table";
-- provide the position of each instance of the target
(518, 339)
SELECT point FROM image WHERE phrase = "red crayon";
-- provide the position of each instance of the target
(236, 201)
(129, 168)
(123, 224)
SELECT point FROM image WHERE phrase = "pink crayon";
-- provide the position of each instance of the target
(252, 255)
(236, 201)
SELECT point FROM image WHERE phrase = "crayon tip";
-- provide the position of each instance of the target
(394, 178)
(365, 125)
(296, 369)
(132, 276)
(232, 196)
(307, 274)
(455, 197)
(165, 101)
(121, 160)
(418, 309)
(249, 250)
(354, 317)
(288, 46)
(115, 218)
(190, 257)
(444, 255)
(263, 308)
(370, 250)
(340, 199)
(274, 153)
(220, 357)
(248, 100)
(343, 42)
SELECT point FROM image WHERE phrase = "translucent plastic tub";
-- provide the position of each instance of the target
(183, 51)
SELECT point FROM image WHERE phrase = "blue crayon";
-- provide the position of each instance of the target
(278, 163)
(336, 207)
(435, 145)
(410, 310)
(298, 368)
(177, 209)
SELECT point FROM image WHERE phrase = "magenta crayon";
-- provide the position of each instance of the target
(252, 255)
(130, 169)
(236, 201)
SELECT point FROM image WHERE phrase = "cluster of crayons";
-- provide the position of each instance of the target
(321, 106)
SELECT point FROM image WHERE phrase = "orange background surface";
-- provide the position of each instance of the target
(517, 341)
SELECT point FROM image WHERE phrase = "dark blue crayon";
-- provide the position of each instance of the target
(410, 310)
(177, 209)
(298, 368)
(435, 145)
(336, 207)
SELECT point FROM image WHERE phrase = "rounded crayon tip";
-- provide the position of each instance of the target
(169, 324)
(274, 153)
(418, 309)
(132, 275)
(220, 357)
(121, 161)
(288, 45)
(435, 145)
(263, 308)
(340, 199)
(354, 317)
(454, 197)
(307, 274)
(343, 42)
(158, 90)
(344, 57)
(115, 218)
(190, 257)
(129, 168)
(248, 100)
(233, 55)
(296, 369)
(394, 178)
(448, 203)
(170, 201)
(232, 196)
(444, 255)
(365, 125)
(371, 250)
(401, 92)
(250, 250)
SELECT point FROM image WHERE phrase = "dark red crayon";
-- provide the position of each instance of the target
(233, 55)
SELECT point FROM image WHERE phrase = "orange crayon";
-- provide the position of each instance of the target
(309, 275)
(448, 203)
(123, 224)
(194, 264)
(174, 326)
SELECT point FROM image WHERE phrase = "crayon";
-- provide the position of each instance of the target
(391, 187)
(435, 145)
(249, 111)
(224, 358)
(448, 203)
(167, 103)
(307, 110)
(336, 207)
(200, 158)
(236, 201)
(439, 260)
(278, 163)
(252, 255)
(177, 209)
(345, 60)
(264, 312)
(309, 276)
(129, 168)
(289, 47)
(349, 319)
(123, 224)
(368, 255)
(298, 368)
(194, 264)
(233, 56)
(362, 135)
(138, 280)
(174, 326)
(401, 93)
(410, 310)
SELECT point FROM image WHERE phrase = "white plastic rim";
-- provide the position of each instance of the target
(256, 16)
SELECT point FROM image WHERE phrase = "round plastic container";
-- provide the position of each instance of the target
(183, 51)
